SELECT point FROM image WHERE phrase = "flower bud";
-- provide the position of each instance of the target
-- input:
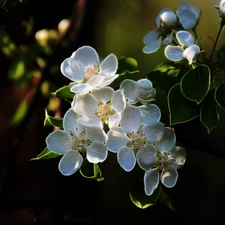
(222, 9)
(147, 92)
(191, 53)
(168, 19)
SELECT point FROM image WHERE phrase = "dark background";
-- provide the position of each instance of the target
(34, 192)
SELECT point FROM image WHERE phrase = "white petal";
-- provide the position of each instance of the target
(169, 177)
(151, 36)
(103, 94)
(59, 141)
(187, 18)
(96, 152)
(174, 53)
(90, 121)
(167, 142)
(151, 181)
(95, 81)
(126, 158)
(108, 80)
(168, 39)
(191, 53)
(131, 119)
(114, 120)
(184, 38)
(70, 123)
(118, 101)
(85, 105)
(154, 132)
(87, 56)
(117, 138)
(179, 155)
(146, 156)
(144, 84)
(70, 162)
(168, 19)
(96, 134)
(158, 18)
(109, 65)
(131, 90)
(152, 46)
(72, 69)
(150, 114)
(81, 89)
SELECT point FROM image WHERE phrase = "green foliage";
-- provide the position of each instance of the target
(64, 93)
(219, 95)
(91, 171)
(136, 190)
(46, 154)
(17, 69)
(180, 108)
(209, 116)
(196, 83)
(53, 121)
(165, 199)
(127, 65)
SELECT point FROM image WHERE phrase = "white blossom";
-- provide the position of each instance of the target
(138, 128)
(161, 161)
(222, 9)
(103, 105)
(84, 70)
(75, 141)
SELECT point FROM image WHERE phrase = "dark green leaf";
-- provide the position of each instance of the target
(137, 193)
(64, 93)
(17, 69)
(196, 83)
(165, 199)
(127, 65)
(220, 95)
(91, 171)
(209, 115)
(53, 121)
(46, 154)
(180, 108)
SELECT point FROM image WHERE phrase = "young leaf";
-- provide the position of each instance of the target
(136, 190)
(181, 110)
(46, 154)
(209, 115)
(91, 171)
(52, 121)
(64, 93)
(127, 65)
(196, 83)
(219, 95)
(165, 199)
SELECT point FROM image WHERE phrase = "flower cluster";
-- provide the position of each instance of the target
(123, 121)
(186, 17)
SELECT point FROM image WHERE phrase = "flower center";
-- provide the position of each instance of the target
(164, 160)
(91, 71)
(104, 111)
(137, 140)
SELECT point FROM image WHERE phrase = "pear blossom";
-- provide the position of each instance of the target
(141, 90)
(162, 35)
(103, 105)
(75, 141)
(84, 70)
(222, 9)
(188, 15)
(138, 128)
(187, 50)
(161, 161)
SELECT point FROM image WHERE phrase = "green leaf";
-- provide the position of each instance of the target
(46, 154)
(137, 193)
(181, 110)
(165, 199)
(53, 121)
(20, 113)
(196, 83)
(64, 93)
(209, 115)
(219, 95)
(127, 65)
(17, 69)
(91, 171)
